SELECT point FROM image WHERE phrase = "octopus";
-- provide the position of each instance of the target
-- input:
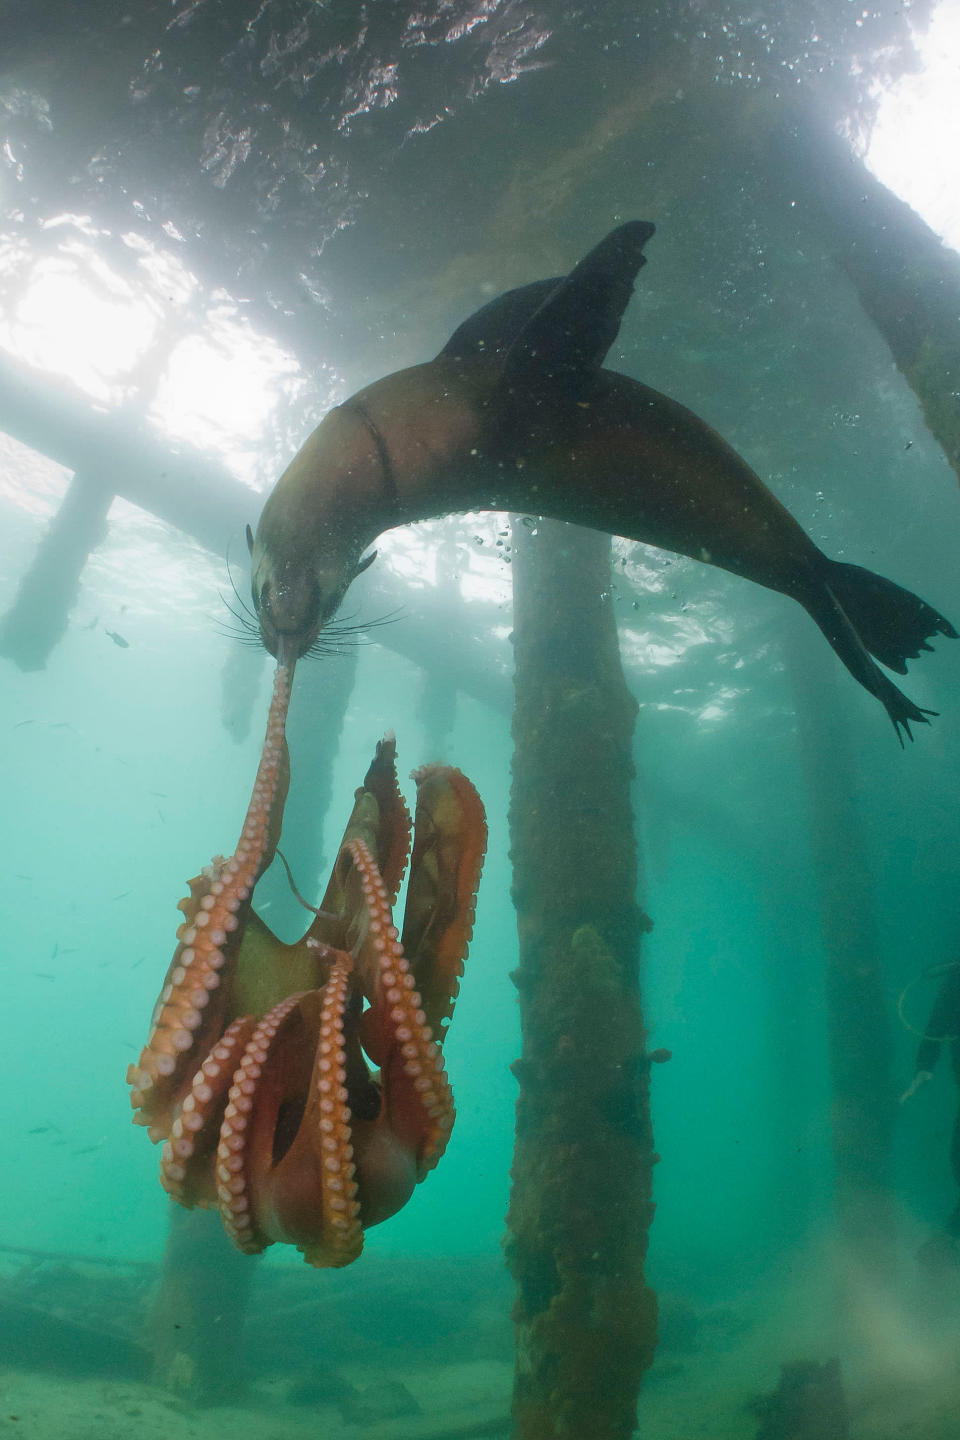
(300, 1089)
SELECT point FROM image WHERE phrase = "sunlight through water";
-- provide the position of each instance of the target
(916, 139)
(206, 376)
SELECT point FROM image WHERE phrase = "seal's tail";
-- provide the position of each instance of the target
(863, 615)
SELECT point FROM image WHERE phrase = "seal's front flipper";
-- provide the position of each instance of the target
(563, 325)
(493, 329)
(567, 338)
(860, 612)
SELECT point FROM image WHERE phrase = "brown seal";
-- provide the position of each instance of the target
(517, 413)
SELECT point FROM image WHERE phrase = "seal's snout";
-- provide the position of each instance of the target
(290, 612)
(296, 590)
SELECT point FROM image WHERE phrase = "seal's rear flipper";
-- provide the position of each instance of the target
(567, 338)
(893, 624)
(860, 612)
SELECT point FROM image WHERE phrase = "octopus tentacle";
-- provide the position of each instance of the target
(341, 1238)
(236, 1211)
(186, 1022)
(450, 842)
(380, 819)
(395, 1029)
(301, 1187)
(185, 1168)
(393, 830)
(282, 1126)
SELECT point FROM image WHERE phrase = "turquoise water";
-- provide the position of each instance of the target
(126, 767)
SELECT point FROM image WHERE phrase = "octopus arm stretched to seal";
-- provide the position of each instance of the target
(518, 413)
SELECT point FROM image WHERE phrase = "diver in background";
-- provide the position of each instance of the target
(942, 1028)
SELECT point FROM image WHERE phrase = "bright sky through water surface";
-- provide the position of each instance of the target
(915, 146)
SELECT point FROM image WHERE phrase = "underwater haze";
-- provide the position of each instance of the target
(218, 220)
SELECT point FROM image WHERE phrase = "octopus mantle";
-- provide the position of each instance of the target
(300, 1089)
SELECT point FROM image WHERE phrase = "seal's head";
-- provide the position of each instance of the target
(297, 595)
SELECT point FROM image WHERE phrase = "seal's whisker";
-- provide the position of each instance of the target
(240, 600)
(250, 642)
(248, 624)
(243, 630)
(344, 627)
(327, 647)
(341, 636)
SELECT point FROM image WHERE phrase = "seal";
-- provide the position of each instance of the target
(518, 413)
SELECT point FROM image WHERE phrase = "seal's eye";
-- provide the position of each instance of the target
(325, 605)
(261, 597)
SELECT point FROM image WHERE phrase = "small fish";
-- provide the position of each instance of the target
(118, 639)
(87, 1149)
(40, 1130)
(20, 724)
(44, 975)
(122, 896)
(56, 947)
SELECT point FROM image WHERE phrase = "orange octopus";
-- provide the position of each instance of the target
(257, 1071)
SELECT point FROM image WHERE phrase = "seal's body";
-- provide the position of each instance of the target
(517, 413)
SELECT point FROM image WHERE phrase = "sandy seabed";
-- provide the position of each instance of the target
(451, 1399)
(705, 1397)
(899, 1349)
